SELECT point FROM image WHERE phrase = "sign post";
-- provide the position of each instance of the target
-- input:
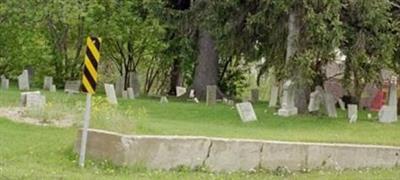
(89, 82)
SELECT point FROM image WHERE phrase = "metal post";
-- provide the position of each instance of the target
(86, 121)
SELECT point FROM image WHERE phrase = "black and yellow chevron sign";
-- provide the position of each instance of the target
(92, 58)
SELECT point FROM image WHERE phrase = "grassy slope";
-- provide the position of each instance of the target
(187, 118)
(32, 152)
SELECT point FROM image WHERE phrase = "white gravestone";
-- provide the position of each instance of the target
(191, 94)
(341, 104)
(33, 100)
(131, 94)
(53, 88)
(180, 91)
(388, 113)
(23, 81)
(273, 100)
(288, 108)
(330, 105)
(163, 100)
(110, 92)
(48, 82)
(316, 98)
(352, 113)
(246, 112)
(5, 83)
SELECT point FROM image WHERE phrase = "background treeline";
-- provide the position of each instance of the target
(202, 42)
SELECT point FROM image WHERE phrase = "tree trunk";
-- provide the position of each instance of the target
(175, 77)
(302, 92)
(206, 72)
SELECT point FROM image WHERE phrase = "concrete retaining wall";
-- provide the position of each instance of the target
(168, 152)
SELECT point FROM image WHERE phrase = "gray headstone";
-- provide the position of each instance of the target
(341, 104)
(246, 112)
(53, 88)
(131, 93)
(273, 100)
(164, 100)
(316, 98)
(196, 100)
(125, 94)
(134, 83)
(23, 81)
(33, 100)
(110, 92)
(48, 82)
(211, 95)
(119, 86)
(330, 105)
(393, 92)
(352, 112)
(288, 108)
(388, 114)
(180, 91)
(72, 86)
(255, 95)
(5, 83)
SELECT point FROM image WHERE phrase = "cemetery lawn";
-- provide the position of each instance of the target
(181, 117)
(35, 152)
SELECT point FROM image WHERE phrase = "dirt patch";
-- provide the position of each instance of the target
(18, 114)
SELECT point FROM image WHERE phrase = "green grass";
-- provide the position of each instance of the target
(34, 152)
(148, 116)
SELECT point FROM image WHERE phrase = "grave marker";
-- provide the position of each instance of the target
(131, 93)
(119, 86)
(273, 100)
(246, 112)
(330, 104)
(110, 92)
(316, 98)
(388, 113)
(180, 91)
(352, 113)
(124, 94)
(72, 86)
(211, 95)
(163, 100)
(48, 82)
(5, 83)
(32, 100)
(255, 95)
(53, 88)
(23, 81)
(288, 108)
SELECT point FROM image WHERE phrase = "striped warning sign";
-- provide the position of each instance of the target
(92, 59)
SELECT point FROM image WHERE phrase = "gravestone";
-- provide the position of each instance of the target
(342, 105)
(288, 108)
(246, 112)
(53, 88)
(164, 100)
(388, 113)
(48, 82)
(23, 81)
(211, 98)
(196, 100)
(119, 86)
(316, 98)
(124, 94)
(72, 86)
(191, 94)
(352, 113)
(255, 95)
(273, 100)
(5, 83)
(180, 91)
(110, 92)
(330, 105)
(32, 100)
(134, 83)
(131, 94)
